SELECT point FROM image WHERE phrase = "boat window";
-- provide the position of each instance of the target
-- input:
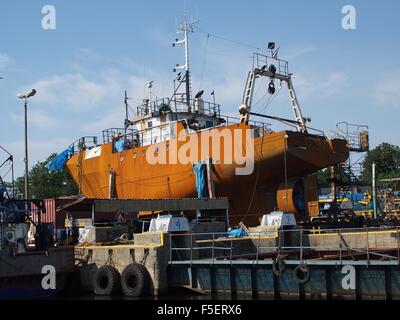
(150, 124)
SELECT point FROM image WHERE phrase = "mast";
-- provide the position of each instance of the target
(126, 122)
(185, 28)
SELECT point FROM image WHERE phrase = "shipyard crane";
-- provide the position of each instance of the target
(264, 66)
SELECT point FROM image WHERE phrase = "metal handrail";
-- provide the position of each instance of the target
(215, 238)
(83, 143)
(154, 107)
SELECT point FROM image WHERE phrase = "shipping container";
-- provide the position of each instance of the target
(82, 210)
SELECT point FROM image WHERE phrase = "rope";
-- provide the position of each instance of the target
(204, 61)
(229, 40)
(269, 101)
(256, 181)
(264, 107)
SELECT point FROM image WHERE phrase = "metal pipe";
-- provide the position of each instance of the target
(93, 213)
(301, 246)
(213, 246)
(398, 246)
(11, 158)
(374, 189)
(367, 246)
(340, 246)
(258, 246)
(191, 248)
(26, 194)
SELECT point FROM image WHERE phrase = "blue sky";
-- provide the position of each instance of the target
(101, 48)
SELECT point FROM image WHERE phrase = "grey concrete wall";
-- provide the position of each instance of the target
(371, 240)
(151, 250)
(105, 234)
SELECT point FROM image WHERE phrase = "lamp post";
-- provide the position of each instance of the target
(25, 97)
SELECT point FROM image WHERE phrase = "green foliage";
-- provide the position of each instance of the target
(43, 184)
(387, 160)
(322, 178)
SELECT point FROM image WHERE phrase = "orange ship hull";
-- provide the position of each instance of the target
(279, 159)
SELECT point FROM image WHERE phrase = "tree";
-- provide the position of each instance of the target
(43, 184)
(322, 178)
(387, 160)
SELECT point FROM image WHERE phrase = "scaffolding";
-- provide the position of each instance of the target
(346, 178)
(389, 198)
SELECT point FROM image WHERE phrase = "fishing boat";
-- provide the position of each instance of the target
(158, 150)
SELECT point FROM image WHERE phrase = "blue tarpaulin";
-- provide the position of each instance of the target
(200, 170)
(58, 163)
(237, 233)
(120, 145)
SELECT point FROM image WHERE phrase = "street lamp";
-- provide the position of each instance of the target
(25, 97)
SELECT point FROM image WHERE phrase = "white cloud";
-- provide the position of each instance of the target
(317, 86)
(5, 60)
(74, 90)
(299, 52)
(87, 54)
(388, 93)
(36, 119)
(110, 120)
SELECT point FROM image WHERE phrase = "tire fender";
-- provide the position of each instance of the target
(302, 273)
(107, 281)
(135, 280)
(278, 266)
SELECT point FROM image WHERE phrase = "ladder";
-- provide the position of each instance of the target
(301, 126)
(247, 97)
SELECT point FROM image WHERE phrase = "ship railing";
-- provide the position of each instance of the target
(341, 246)
(153, 107)
(261, 61)
(356, 135)
(83, 143)
(316, 132)
(159, 106)
(138, 138)
(113, 133)
(259, 127)
(198, 106)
